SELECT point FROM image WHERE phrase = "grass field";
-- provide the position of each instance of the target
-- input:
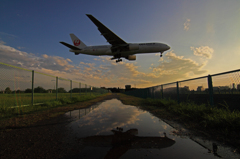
(15, 104)
(18, 99)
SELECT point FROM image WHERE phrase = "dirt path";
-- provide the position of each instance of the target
(43, 139)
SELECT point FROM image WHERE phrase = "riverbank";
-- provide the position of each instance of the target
(211, 123)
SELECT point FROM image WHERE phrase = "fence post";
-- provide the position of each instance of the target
(149, 93)
(210, 89)
(178, 99)
(32, 87)
(162, 91)
(56, 88)
(70, 88)
(146, 92)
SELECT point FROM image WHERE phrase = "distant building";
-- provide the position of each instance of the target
(184, 89)
(238, 87)
(215, 89)
(127, 86)
(170, 90)
(223, 88)
(233, 86)
(116, 90)
(200, 88)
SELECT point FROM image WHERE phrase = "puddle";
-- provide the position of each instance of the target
(113, 130)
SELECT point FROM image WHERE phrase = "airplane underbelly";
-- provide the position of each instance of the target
(99, 52)
(149, 50)
(125, 53)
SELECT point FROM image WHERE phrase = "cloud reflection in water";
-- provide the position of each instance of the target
(111, 114)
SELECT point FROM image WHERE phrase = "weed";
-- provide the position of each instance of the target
(225, 105)
(7, 111)
(221, 119)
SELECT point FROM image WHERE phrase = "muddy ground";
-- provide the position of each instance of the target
(43, 139)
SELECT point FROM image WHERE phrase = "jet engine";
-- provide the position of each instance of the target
(133, 47)
(131, 57)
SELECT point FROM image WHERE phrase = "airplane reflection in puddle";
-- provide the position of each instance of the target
(122, 141)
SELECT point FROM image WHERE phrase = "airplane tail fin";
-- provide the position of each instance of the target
(70, 46)
(77, 42)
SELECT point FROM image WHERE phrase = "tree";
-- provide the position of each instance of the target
(75, 90)
(19, 91)
(8, 90)
(28, 90)
(39, 90)
(61, 90)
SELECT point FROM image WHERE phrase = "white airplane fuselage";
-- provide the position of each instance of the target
(118, 48)
(137, 49)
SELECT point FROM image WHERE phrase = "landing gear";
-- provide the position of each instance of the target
(160, 54)
(118, 60)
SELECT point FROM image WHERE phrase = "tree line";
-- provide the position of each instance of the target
(40, 89)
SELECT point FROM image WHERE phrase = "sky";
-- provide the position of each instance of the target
(204, 37)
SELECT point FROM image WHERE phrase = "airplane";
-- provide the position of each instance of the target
(118, 48)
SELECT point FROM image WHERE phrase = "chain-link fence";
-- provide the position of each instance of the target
(22, 87)
(221, 90)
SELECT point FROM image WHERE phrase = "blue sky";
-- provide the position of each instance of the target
(203, 36)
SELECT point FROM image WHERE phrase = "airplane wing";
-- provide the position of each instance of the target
(70, 46)
(112, 38)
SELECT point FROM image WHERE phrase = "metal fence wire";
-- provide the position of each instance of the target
(22, 87)
(221, 90)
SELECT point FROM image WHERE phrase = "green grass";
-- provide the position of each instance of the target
(18, 99)
(205, 116)
(219, 124)
(47, 101)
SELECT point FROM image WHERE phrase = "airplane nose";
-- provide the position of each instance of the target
(168, 47)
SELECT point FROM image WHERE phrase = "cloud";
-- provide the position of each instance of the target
(174, 68)
(107, 72)
(11, 35)
(171, 69)
(15, 57)
(187, 24)
(69, 60)
(2, 42)
(109, 112)
(91, 65)
(12, 56)
(178, 65)
(55, 66)
(203, 51)
(19, 47)
(45, 56)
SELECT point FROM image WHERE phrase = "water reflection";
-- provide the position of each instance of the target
(144, 136)
(77, 114)
(121, 142)
(111, 114)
